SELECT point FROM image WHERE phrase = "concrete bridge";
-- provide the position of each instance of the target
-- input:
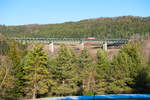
(51, 41)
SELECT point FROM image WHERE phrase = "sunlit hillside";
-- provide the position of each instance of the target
(107, 27)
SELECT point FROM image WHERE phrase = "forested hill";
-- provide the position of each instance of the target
(115, 27)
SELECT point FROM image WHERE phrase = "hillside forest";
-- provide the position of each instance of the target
(107, 27)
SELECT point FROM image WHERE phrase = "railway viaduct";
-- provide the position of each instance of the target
(51, 41)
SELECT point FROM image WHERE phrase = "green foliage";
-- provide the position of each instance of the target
(84, 58)
(102, 71)
(142, 81)
(12, 68)
(37, 79)
(134, 53)
(4, 45)
(7, 82)
(14, 57)
(86, 75)
(102, 57)
(103, 64)
(64, 71)
(127, 64)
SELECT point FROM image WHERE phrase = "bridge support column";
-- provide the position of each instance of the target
(23, 41)
(51, 47)
(105, 46)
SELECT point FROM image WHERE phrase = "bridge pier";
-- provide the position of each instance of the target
(105, 46)
(51, 47)
(23, 41)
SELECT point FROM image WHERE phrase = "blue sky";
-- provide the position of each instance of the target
(20, 12)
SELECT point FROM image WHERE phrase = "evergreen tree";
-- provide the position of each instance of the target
(4, 45)
(142, 81)
(86, 71)
(64, 72)
(136, 56)
(7, 81)
(128, 63)
(12, 63)
(120, 79)
(102, 71)
(14, 57)
(37, 79)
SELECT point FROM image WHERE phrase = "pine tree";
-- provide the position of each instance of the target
(14, 57)
(7, 81)
(128, 63)
(102, 71)
(64, 72)
(120, 79)
(11, 66)
(142, 81)
(136, 56)
(37, 79)
(86, 71)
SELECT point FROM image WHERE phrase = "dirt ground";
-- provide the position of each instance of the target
(146, 49)
(92, 47)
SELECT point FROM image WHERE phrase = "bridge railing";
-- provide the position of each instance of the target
(71, 40)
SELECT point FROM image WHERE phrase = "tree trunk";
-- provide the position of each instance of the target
(35, 83)
(34, 92)
(88, 84)
(7, 70)
(63, 83)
